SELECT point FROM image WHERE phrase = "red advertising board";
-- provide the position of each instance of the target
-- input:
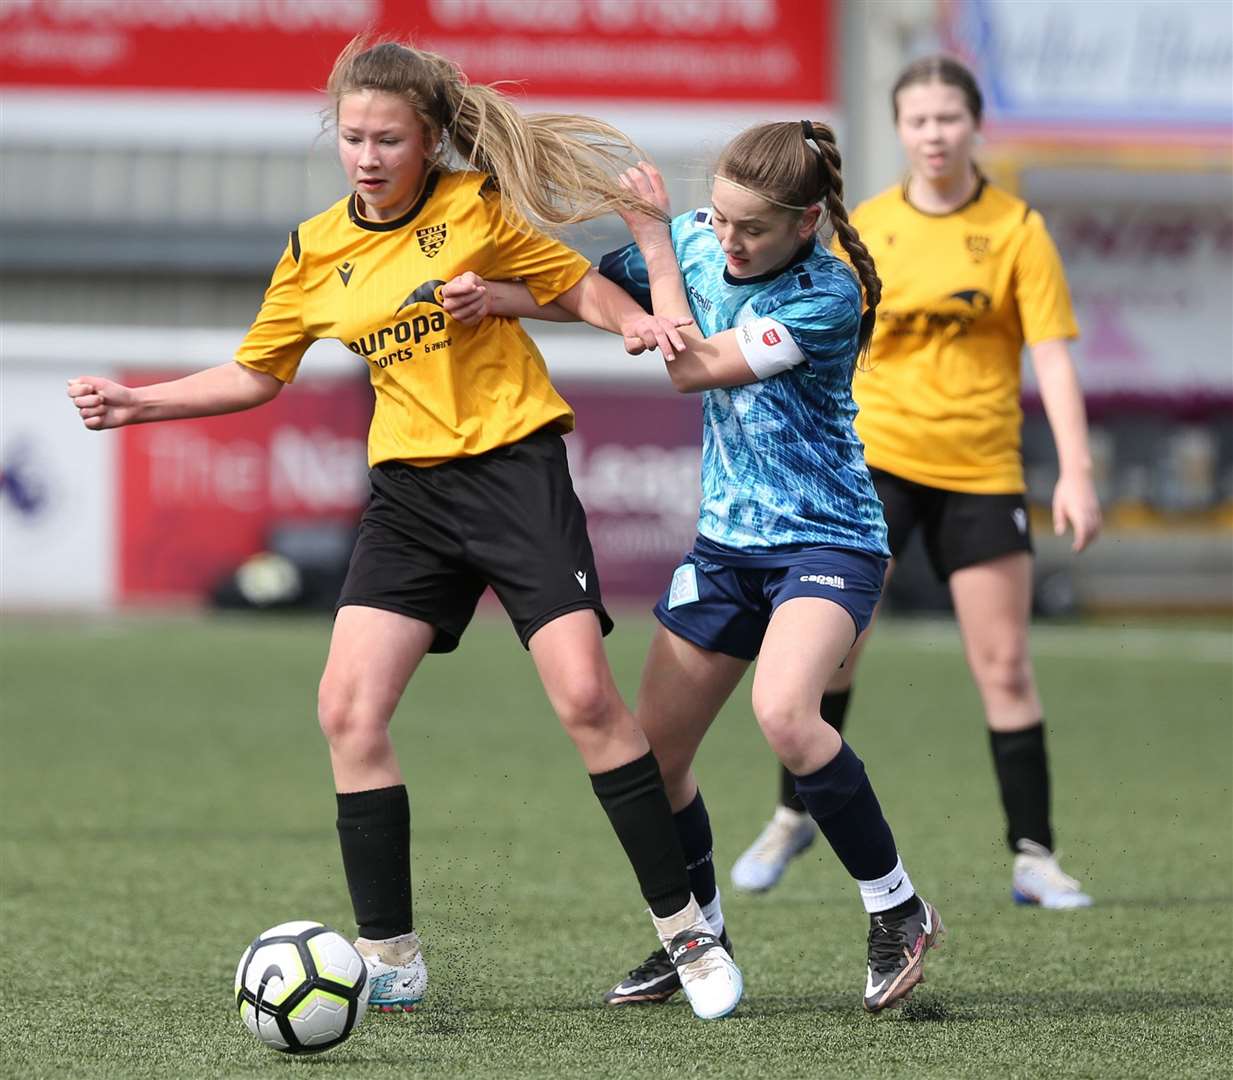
(749, 51)
(197, 497)
(636, 460)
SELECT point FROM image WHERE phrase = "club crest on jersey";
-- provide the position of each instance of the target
(345, 271)
(422, 294)
(978, 247)
(431, 239)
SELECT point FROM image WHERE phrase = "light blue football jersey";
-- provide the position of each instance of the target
(781, 463)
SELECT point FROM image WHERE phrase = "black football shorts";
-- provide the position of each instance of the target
(433, 538)
(959, 529)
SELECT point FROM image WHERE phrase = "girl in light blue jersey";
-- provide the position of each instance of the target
(791, 546)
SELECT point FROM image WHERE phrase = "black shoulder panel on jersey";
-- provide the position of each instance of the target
(295, 244)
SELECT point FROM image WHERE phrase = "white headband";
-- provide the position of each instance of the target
(761, 195)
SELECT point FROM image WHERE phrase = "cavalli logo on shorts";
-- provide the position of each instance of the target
(431, 239)
(833, 581)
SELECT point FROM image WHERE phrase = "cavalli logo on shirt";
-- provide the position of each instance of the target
(699, 299)
(422, 294)
(431, 239)
(345, 271)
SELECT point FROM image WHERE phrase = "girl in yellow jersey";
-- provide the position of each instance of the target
(969, 276)
(470, 486)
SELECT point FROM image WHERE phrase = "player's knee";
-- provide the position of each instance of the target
(343, 721)
(1005, 672)
(785, 725)
(586, 706)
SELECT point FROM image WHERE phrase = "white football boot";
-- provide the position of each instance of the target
(786, 835)
(710, 979)
(396, 972)
(1039, 880)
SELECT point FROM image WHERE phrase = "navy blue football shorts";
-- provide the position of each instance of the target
(722, 600)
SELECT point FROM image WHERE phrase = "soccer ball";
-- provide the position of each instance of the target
(301, 987)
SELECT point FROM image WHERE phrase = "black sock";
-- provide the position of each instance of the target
(634, 799)
(834, 710)
(374, 831)
(693, 826)
(909, 907)
(1023, 777)
(841, 800)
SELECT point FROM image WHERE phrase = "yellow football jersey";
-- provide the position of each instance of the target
(961, 294)
(443, 390)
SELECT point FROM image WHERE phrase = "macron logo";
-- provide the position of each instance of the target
(581, 577)
(832, 580)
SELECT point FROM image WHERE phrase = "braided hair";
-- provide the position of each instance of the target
(796, 166)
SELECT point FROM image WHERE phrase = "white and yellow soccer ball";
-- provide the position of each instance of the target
(301, 987)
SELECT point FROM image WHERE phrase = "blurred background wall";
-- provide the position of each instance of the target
(154, 155)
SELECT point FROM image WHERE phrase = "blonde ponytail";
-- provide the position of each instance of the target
(552, 169)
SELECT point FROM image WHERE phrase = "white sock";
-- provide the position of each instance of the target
(690, 917)
(714, 916)
(792, 817)
(888, 891)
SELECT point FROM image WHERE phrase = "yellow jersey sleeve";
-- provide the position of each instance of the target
(277, 341)
(1043, 298)
(546, 266)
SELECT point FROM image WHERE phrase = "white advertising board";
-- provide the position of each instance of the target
(1132, 62)
(57, 497)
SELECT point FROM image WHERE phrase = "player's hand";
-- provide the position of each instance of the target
(102, 403)
(1075, 505)
(654, 332)
(646, 181)
(466, 298)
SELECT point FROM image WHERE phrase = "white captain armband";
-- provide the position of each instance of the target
(767, 346)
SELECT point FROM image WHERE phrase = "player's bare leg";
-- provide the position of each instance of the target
(682, 690)
(993, 606)
(373, 654)
(568, 653)
(791, 831)
(804, 644)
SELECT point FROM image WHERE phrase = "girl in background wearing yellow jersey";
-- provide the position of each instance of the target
(470, 486)
(969, 276)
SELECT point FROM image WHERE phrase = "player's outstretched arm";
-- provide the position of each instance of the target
(231, 387)
(1074, 498)
(469, 299)
(607, 306)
